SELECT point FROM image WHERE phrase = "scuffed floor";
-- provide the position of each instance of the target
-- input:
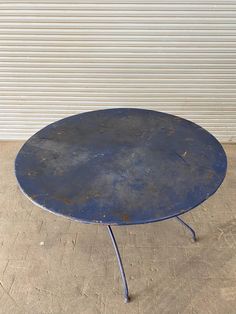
(49, 264)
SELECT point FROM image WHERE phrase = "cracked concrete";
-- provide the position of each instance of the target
(49, 264)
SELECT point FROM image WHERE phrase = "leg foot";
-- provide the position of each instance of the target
(188, 227)
(122, 272)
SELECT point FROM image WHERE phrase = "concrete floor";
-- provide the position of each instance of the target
(49, 264)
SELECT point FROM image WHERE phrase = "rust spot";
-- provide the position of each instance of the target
(125, 217)
(210, 174)
(89, 195)
(68, 202)
(65, 200)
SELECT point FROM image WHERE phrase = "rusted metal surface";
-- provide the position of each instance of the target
(120, 166)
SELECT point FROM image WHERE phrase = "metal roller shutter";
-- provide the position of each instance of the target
(59, 58)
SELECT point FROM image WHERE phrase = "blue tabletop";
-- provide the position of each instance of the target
(120, 166)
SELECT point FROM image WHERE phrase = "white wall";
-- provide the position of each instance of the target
(59, 58)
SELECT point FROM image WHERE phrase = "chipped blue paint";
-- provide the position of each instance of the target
(120, 166)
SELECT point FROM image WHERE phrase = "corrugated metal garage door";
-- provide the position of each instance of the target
(58, 58)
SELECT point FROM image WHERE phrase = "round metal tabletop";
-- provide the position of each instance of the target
(120, 166)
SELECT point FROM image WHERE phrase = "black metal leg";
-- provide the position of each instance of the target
(122, 272)
(188, 227)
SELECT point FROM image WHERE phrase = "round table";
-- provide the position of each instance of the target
(120, 167)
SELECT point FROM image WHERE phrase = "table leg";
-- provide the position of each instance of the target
(122, 272)
(188, 227)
